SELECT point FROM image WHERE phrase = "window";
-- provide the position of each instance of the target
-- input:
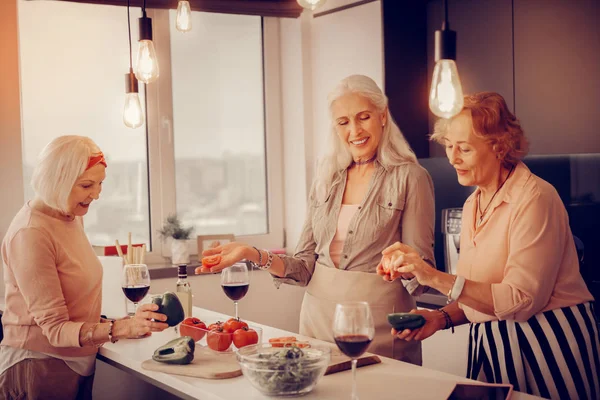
(218, 124)
(73, 60)
(211, 149)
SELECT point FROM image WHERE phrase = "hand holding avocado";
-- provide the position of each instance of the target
(146, 320)
(416, 325)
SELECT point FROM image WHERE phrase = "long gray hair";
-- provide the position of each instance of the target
(393, 148)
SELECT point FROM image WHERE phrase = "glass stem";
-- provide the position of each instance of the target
(354, 391)
(235, 304)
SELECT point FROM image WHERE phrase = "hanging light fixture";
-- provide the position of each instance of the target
(184, 16)
(147, 63)
(446, 95)
(311, 4)
(133, 116)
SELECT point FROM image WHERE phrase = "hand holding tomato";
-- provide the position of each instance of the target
(193, 327)
(229, 254)
(244, 337)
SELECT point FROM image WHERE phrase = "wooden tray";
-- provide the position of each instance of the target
(206, 364)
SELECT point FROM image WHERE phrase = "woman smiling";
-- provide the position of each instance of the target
(531, 316)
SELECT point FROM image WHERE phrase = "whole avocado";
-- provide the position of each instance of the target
(169, 304)
(401, 321)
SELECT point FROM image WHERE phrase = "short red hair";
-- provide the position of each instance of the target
(493, 122)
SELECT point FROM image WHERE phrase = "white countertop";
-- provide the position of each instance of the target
(389, 380)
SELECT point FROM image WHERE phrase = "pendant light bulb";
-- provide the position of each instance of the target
(147, 63)
(184, 16)
(311, 4)
(446, 96)
(133, 116)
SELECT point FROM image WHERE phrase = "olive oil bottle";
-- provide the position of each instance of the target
(184, 290)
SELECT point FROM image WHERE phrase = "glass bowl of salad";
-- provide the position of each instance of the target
(283, 371)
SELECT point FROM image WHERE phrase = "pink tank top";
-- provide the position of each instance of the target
(337, 244)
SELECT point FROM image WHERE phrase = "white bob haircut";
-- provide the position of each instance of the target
(59, 165)
(393, 148)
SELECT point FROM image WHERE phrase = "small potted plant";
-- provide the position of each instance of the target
(179, 246)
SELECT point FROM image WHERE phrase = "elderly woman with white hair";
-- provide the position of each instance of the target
(369, 192)
(518, 284)
(52, 325)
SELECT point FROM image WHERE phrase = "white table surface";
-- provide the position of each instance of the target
(389, 380)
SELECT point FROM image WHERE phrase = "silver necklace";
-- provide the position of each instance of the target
(494, 195)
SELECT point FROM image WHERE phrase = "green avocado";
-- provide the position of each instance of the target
(178, 351)
(169, 304)
(401, 321)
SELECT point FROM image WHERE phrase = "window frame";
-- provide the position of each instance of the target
(160, 142)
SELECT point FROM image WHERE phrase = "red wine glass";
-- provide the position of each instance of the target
(353, 331)
(235, 283)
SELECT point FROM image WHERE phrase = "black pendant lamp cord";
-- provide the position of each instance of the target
(446, 24)
(129, 30)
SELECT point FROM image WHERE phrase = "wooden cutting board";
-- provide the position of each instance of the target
(210, 365)
(340, 362)
(206, 364)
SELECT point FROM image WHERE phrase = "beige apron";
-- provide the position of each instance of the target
(329, 286)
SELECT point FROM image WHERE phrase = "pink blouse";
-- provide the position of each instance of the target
(337, 244)
(523, 247)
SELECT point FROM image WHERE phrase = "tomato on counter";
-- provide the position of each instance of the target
(233, 325)
(193, 327)
(244, 337)
(219, 340)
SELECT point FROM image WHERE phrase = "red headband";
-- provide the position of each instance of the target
(97, 159)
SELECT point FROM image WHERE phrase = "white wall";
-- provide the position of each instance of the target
(11, 174)
(344, 43)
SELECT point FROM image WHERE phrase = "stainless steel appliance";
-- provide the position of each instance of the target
(451, 223)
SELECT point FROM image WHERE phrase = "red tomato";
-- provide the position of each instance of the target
(216, 326)
(218, 341)
(244, 337)
(193, 327)
(211, 261)
(233, 325)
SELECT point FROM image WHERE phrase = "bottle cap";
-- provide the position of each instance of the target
(182, 270)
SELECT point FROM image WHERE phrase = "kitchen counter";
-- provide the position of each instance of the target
(374, 381)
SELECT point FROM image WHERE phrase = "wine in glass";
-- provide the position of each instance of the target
(135, 283)
(353, 331)
(235, 283)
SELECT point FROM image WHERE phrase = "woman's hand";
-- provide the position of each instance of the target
(229, 254)
(387, 268)
(404, 261)
(434, 321)
(142, 324)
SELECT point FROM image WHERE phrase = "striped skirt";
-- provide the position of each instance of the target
(553, 355)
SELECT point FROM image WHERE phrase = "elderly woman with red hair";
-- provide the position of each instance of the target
(531, 316)
(53, 279)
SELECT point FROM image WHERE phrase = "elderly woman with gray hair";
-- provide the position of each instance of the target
(52, 325)
(369, 192)
(531, 316)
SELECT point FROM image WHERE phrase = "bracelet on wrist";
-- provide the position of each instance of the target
(449, 323)
(259, 263)
(269, 261)
(111, 338)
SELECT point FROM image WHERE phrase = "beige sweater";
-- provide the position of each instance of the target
(52, 284)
